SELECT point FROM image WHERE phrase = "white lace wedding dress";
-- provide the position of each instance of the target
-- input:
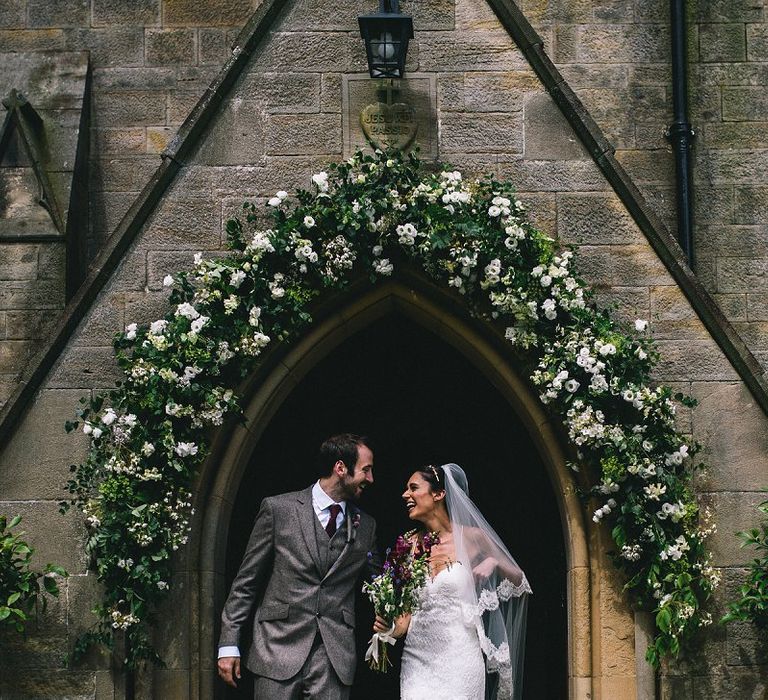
(442, 659)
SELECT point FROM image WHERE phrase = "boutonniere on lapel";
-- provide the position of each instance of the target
(353, 522)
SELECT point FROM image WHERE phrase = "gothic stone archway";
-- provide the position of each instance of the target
(431, 308)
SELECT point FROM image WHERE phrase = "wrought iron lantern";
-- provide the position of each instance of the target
(386, 34)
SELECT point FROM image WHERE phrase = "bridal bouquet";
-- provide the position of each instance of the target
(395, 591)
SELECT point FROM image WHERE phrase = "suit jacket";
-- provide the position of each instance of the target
(300, 595)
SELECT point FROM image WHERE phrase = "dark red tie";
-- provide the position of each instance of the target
(330, 528)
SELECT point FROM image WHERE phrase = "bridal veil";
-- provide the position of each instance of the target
(497, 601)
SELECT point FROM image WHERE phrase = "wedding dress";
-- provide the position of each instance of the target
(442, 659)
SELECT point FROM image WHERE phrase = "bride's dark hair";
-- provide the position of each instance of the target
(434, 476)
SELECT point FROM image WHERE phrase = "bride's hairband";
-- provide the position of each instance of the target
(434, 471)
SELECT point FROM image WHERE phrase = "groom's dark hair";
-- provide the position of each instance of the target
(340, 447)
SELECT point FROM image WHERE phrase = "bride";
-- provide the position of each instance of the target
(466, 640)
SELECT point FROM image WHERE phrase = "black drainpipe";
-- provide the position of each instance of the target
(680, 132)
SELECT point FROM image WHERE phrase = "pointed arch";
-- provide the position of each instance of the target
(263, 395)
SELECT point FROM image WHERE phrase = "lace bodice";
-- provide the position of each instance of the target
(442, 657)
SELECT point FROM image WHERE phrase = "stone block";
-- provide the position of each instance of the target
(734, 306)
(26, 325)
(481, 133)
(129, 108)
(216, 13)
(757, 42)
(720, 43)
(32, 40)
(13, 14)
(169, 47)
(596, 265)
(108, 208)
(736, 683)
(50, 261)
(85, 367)
(109, 47)
(611, 43)
(729, 11)
(103, 321)
(236, 136)
(713, 204)
(145, 307)
(316, 15)
(504, 91)
(114, 13)
(120, 142)
(625, 303)
(542, 210)
(43, 294)
(734, 134)
(706, 105)
(488, 51)
(330, 92)
(727, 166)
(213, 47)
(648, 165)
(653, 73)
(15, 354)
(18, 261)
(742, 274)
(595, 219)
(193, 222)
(47, 684)
(58, 13)
(736, 456)
(133, 78)
(122, 174)
(282, 92)
(35, 462)
(472, 16)
(669, 304)
(744, 104)
(750, 205)
(314, 52)
(180, 106)
(696, 360)
(602, 76)
(548, 136)
(757, 306)
(551, 176)
(303, 134)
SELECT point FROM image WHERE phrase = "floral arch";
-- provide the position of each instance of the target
(366, 217)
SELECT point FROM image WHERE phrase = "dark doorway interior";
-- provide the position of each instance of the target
(420, 401)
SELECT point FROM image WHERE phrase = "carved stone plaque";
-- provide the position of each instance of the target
(390, 114)
(389, 125)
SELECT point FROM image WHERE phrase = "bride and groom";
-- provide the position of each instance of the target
(305, 556)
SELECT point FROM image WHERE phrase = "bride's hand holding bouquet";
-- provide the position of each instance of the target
(395, 592)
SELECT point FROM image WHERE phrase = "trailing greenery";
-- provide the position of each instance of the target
(753, 603)
(369, 215)
(21, 588)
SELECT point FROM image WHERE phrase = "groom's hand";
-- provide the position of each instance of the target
(229, 669)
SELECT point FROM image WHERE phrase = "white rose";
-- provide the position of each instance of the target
(309, 222)
(109, 417)
(282, 194)
(185, 449)
(321, 180)
(96, 432)
(494, 211)
(571, 385)
(187, 310)
(640, 324)
(130, 331)
(87, 428)
(157, 327)
(168, 281)
(275, 202)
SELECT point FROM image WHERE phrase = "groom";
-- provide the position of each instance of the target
(306, 552)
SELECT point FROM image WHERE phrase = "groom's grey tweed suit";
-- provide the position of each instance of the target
(308, 581)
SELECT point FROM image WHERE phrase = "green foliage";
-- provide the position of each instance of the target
(753, 603)
(21, 588)
(367, 217)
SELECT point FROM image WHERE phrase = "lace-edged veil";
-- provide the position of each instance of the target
(496, 604)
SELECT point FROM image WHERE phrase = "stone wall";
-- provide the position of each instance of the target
(283, 121)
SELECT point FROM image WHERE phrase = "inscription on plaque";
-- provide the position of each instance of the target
(385, 114)
(389, 125)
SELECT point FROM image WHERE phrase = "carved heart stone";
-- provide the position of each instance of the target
(389, 126)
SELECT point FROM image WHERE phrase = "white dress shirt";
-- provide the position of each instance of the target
(322, 503)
